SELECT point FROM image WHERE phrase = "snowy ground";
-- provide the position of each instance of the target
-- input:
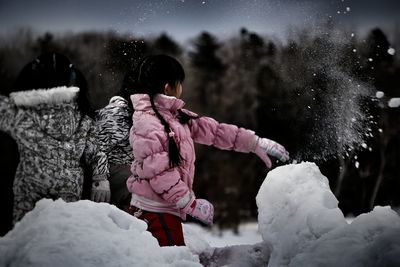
(248, 235)
(299, 224)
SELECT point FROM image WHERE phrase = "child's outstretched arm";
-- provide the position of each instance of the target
(97, 161)
(208, 131)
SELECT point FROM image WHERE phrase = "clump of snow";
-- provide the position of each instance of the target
(391, 51)
(299, 217)
(86, 234)
(394, 102)
(380, 94)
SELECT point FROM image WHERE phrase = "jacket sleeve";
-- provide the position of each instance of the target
(8, 113)
(113, 123)
(208, 131)
(152, 163)
(94, 157)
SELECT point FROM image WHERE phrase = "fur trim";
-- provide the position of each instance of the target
(35, 97)
(118, 101)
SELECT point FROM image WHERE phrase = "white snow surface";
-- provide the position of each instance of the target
(300, 218)
(86, 234)
(247, 234)
(299, 221)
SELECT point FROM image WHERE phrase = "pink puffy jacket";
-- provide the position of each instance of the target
(154, 184)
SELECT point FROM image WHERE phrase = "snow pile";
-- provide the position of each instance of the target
(86, 234)
(299, 221)
(299, 217)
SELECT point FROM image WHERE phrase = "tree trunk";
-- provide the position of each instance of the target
(342, 172)
(380, 175)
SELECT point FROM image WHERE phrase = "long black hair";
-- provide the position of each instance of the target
(149, 77)
(51, 70)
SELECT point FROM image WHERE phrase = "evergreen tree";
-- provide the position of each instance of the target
(166, 45)
(208, 69)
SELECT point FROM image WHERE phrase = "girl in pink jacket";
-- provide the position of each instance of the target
(162, 138)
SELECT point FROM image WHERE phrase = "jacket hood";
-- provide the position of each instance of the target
(162, 102)
(54, 110)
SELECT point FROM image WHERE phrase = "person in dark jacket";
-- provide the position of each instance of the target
(114, 122)
(9, 158)
(47, 116)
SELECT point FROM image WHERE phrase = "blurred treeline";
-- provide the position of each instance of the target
(300, 92)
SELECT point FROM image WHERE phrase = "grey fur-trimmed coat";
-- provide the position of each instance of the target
(55, 141)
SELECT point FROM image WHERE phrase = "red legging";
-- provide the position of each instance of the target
(166, 228)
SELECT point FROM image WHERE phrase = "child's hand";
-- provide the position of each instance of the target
(266, 147)
(200, 209)
(100, 191)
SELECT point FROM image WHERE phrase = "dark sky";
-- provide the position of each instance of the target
(183, 19)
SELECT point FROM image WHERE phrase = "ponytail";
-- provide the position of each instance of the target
(149, 77)
(175, 157)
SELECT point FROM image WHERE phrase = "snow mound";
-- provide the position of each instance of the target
(86, 234)
(300, 219)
